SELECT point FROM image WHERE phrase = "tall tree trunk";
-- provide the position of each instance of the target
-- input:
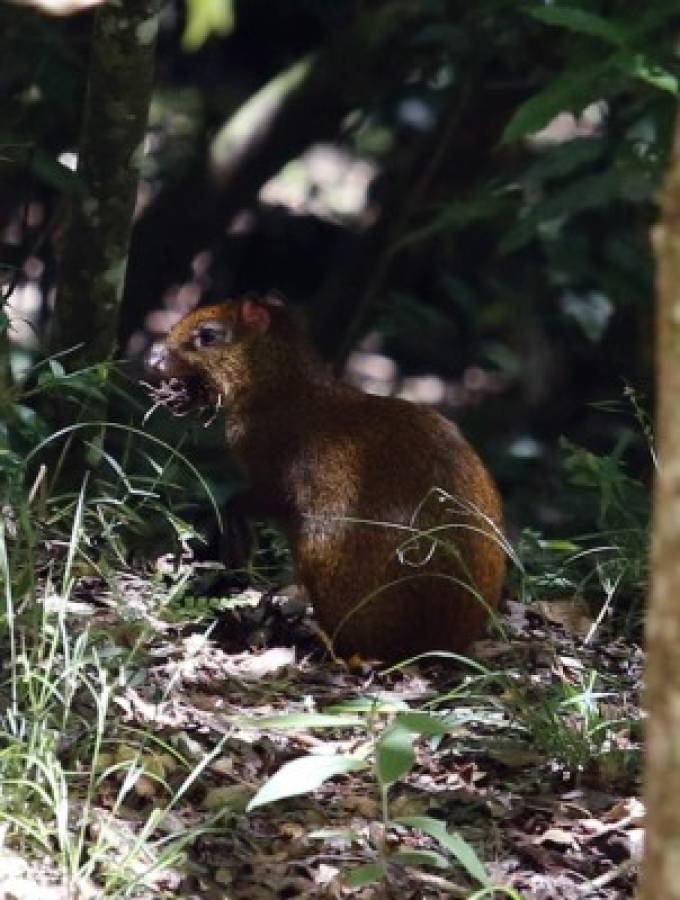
(109, 157)
(5, 371)
(661, 873)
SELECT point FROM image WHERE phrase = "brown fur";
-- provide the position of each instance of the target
(320, 454)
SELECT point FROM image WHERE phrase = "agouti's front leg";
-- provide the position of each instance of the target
(236, 541)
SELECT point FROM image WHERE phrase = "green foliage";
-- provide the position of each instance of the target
(633, 55)
(136, 482)
(206, 18)
(452, 843)
(570, 217)
(570, 723)
(390, 750)
(59, 734)
(582, 22)
(612, 561)
(301, 776)
(572, 91)
(394, 753)
(537, 237)
(185, 607)
(57, 724)
(622, 502)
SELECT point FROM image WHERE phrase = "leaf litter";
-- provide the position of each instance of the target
(205, 715)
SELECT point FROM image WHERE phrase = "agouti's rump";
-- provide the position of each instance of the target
(393, 521)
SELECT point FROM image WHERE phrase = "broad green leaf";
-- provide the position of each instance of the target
(256, 112)
(205, 18)
(394, 754)
(420, 858)
(564, 159)
(453, 216)
(454, 843)
(559, 546)
(424, 723)
(365, 874)
(368, 705)
(590, 192)
(571, 91)
(294, 721)
(582, 22)
(653, 16)
(640, 67)
(304, 775)
(56, 368)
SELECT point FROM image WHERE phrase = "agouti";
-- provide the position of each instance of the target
(393, 521)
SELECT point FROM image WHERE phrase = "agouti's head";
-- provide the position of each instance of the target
(228, 351)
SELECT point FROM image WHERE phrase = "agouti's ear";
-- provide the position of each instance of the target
(255, 315)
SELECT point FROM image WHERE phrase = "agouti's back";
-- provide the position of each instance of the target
(393, 521)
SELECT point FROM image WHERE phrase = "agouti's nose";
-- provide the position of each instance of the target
(165, 363)
(157, 358)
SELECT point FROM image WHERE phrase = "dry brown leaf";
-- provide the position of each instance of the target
(557, 836)
(223, 765)
(629, 809)
(410, 805)
(573, 615)
(367, 807)
(146, 787)
(488, 650)
(516, 617)
(254, 666)
(223, 876)
(291, 830)
(516, 756)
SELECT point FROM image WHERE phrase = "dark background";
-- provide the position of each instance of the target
(460, 196)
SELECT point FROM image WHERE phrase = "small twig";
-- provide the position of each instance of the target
(179, 399)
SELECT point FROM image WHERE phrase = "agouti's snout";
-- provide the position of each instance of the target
(162, 362)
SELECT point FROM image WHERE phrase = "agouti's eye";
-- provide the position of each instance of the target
(209, 335)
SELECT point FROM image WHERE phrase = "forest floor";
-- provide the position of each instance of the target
(534, 762)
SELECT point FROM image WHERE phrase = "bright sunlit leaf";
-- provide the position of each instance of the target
(302, 776)
(296, 721)
(642, 68)
(59, 7)
(205, 18)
